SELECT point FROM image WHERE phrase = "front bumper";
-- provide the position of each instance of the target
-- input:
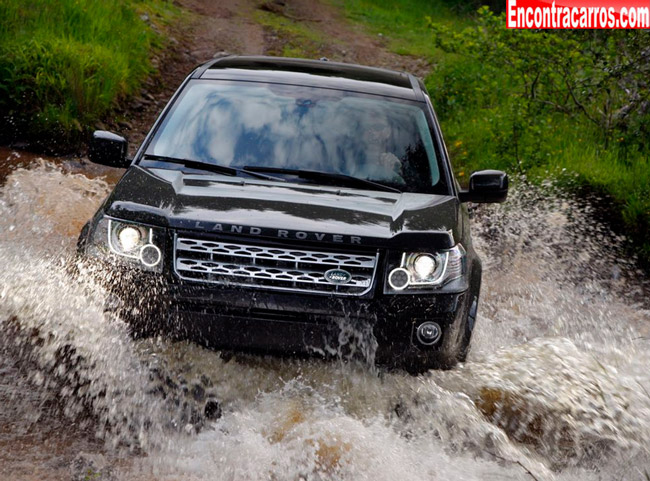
(381, 329)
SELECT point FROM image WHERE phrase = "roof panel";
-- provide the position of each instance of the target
(316, 73)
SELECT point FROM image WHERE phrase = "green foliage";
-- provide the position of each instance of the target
(561, 104)
(469, 7)
(296, 39)
(65, 63)
(595, 76)
(402, 24)
(543, 103)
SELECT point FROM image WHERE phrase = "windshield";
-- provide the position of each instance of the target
(239, 124)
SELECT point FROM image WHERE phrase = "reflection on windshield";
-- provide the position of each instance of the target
(293, 127)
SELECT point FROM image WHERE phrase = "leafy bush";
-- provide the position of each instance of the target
(65, 63)
(602, 77)
(570, 105)
(547, 102)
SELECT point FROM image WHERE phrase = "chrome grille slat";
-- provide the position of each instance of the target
(274, 274)
(277, 268)
(274, 253)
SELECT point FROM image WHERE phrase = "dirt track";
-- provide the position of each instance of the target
(229, 26)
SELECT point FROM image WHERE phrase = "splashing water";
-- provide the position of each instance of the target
(556, 385)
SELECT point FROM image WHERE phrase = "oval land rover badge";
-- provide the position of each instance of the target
(338, 276)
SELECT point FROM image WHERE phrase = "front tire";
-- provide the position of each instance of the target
(470, 322)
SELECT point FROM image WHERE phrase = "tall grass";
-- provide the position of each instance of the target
(65, 63)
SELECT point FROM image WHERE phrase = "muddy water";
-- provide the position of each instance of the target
(556, 385)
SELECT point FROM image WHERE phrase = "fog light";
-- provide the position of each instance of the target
(428, 333)
(150, 255)
(399, 278)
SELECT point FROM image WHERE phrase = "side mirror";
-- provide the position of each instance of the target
(486, 186)
(107, 148)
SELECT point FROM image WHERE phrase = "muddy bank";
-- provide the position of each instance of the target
(12, 159)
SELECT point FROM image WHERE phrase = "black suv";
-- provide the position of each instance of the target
(295, 207)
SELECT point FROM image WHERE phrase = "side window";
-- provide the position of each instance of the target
(427, 141)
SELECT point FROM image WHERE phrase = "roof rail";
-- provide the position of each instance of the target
(203, 67)
(415, 85)
(317, 67)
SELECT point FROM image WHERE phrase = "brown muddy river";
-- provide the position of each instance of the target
(556, 386)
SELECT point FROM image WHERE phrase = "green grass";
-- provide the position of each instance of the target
(294, 38)
(485, 128)
(404, 24)
(64, 64)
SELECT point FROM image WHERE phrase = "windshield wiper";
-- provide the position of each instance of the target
(347, 180)
(219, 169)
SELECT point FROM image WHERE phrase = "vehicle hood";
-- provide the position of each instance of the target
(235, 205)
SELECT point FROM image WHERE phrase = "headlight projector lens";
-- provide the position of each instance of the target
(150, 255)
(129, 238)
(399, 278)
(424, 266)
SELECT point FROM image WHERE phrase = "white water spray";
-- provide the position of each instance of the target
(556, 386)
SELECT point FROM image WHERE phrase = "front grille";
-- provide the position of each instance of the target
(276, 268)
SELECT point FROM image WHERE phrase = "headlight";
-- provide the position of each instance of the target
(427, 269)
(129, 238)
(425, 266)
(135, 244)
